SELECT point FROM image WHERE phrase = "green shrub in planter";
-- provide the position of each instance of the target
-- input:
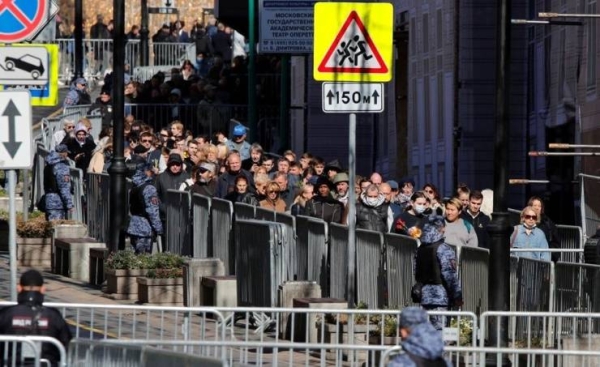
(38, 227)
(128, 260)
(166, 265)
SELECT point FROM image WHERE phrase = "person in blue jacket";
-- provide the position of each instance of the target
(436, 269)
(143, 206)
(422, 344)
(57, 184)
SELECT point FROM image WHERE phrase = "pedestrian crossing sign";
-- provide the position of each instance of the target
(353, 42)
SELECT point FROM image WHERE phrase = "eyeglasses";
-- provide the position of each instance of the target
(429, 191)
(70, 127)
(534, 217)
(146, 140)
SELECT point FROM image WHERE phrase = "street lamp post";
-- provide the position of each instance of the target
(78, 46)
(499, 228)
(144, 33)
(118, 169)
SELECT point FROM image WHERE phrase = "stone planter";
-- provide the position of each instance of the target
(18, 203)
(161, 291)
(122, 284)
(34, 252)
(78, 230)
(345, 334)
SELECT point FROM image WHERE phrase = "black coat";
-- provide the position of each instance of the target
(549, 228)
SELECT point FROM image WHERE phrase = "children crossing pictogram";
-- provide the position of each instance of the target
(353, 50)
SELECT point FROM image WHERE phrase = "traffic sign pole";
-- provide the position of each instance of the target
(12, 232)
(351, 286)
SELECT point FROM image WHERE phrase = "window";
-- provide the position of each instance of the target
(561, 64)
(439, 29)
(591, 47)
(425, 33)
(413, 37)
(427, 104)
(440, 105)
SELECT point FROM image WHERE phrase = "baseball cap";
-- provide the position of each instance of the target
(412, 316)
(239, 130)
(176, 91)
(80, 81)
(393, 184)
(207, 166)
(62, 148)
(31, 278)
(341, 177)
(174, 158)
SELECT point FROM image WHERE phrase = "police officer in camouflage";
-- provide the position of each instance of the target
(78, 94)
(144, 208)
(57, 184)
(435, 269)
(422, 344)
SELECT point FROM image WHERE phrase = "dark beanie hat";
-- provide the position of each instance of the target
(31, 278)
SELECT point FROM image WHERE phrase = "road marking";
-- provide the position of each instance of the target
(98, 331)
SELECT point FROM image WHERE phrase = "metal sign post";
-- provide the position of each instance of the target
(12, 232)
(353, 48)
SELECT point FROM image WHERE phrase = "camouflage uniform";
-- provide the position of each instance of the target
(77, 96)
(424, 343)
(57, 185)
(438, 294)
(143, 205)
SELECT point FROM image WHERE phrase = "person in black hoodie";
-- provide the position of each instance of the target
(103, 107)
(170, 179)
(324, 206)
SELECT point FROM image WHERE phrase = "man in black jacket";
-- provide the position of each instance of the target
(479, 220)
(170, 179)
(30, 317)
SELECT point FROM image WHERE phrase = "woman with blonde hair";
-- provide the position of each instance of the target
(273, 200)
(459, 232)
(528, 235)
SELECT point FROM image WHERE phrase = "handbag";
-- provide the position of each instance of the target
(41, 204)
(416, 292)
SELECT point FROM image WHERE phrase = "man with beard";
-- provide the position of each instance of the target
(340, 181)
(323, 206)
(205, 183)
(372, 212)
(226, 182)
(170, 179)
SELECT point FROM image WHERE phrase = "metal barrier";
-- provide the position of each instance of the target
(318, 254)
(134, 354)
(144, 73)
(338, 260)
(519, 357)
(244, 211)
(571, 237)
(258, 262)
(122, 322)
(289, 232)
(78, 194)
(589, 205)
(19, 350)
(178, 231)
(98, 206)
(221, 214)
(474, 278)
(75, 113)
(400, 252)
(535, 283)
(264, 214)
(201, 229)
(369, 267)
(577, 287)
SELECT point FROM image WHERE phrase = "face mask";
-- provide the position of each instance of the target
(419, 209)
(371, 201)
(532, 227)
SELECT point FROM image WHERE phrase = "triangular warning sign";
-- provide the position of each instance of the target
(353, 51)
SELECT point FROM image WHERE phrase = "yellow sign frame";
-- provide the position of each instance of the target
(375, 21)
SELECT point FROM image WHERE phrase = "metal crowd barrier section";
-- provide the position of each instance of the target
(577, 287)
(369, 268)
(96, 121)
(100, 322)
(244, 211)
(178, 233)
(318, 254)
(571, 237)
(289, 231)
(144, 73)
(39, 162)
(519, 357)
(589, 205)
(258, 262)
(302, 248)
(221, 214)
(400, 252)
(134, 354)
(474, 278)
(75, 113)
(265, 214)
(570, 332)
(19, 350)
(514, 282)
(78, 193)
(98, 210)
(338, 260)
(534, 286)
(201, 230)
(172, 53)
